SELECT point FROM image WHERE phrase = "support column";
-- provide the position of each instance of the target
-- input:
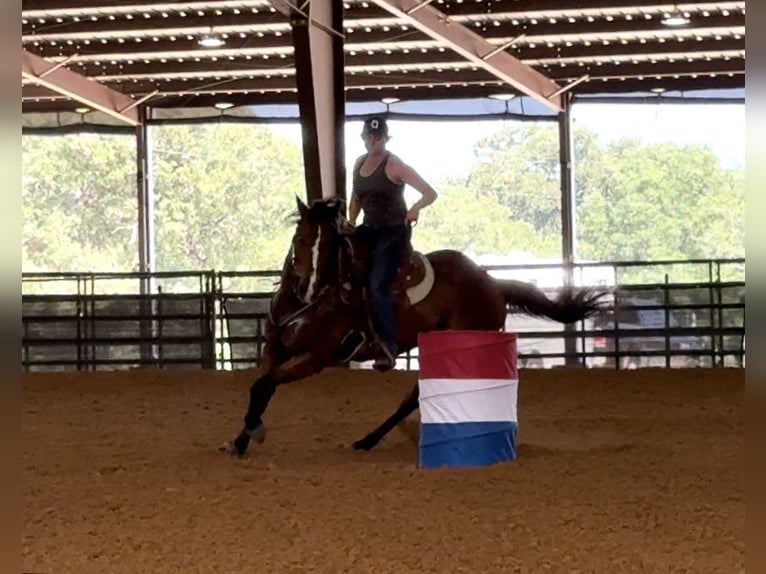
(146, 252)
(566, 159)
(317, 27)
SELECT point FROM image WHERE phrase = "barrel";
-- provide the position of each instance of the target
(468, 385)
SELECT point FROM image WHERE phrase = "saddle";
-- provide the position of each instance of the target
(415, 275)
(413, 282)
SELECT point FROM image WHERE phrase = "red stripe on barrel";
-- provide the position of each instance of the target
(467, 355)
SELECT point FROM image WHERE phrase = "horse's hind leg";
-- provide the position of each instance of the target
(409, 404)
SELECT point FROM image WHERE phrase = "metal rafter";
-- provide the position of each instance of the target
(46, 10)
(458, 79)
(277, 41)
(166, 23)
(244, 65)
(430, 91)
(72, 85)
(147, 44)
(476, 49)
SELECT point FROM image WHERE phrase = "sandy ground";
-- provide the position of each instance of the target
(638, 471)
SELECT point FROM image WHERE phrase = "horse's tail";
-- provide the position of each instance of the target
(572, 304)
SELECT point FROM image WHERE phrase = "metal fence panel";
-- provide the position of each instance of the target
(218, 320)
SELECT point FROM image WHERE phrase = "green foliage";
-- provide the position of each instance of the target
(469, 221)
(223, 197)
(661, 201)
(634, 202)
(519, 167)
(79, 203)
(224, 194)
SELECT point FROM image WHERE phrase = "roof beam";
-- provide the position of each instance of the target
(287, 84)
(605, 85)
(164, 24)
(541, 33)
(234, 62)
(72, 85)
(473, 47)
(375, 83)
(648, 70)
(52, 8)
(84, 8)
(551, 8)
(424, 92)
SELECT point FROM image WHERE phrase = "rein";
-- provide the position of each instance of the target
(297, 313)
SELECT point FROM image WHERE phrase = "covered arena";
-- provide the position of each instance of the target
(128, 392)
(638, 471)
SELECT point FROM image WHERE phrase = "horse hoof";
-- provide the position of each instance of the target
(229, 448)
(366, 443)
(236, 447)
(258, 434)
(241, 443)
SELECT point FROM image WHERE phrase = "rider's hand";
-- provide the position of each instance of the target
(346, 227)
(411, 218)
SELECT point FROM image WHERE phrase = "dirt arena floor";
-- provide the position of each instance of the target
(638, 471)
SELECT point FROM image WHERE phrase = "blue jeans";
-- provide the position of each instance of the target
(386, 247)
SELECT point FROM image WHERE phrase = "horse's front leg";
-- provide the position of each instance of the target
(261, 391)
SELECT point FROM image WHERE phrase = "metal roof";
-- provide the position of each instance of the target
(151, 50)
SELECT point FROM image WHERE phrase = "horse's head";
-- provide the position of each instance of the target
(314, 247)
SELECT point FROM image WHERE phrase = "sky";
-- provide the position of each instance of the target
(446, 148)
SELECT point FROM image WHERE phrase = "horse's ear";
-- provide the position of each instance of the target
(335, 203)
(338, 206)
(302, 208)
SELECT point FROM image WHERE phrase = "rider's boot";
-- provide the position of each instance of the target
(384, 360)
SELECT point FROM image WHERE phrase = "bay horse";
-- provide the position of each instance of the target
(318, 306)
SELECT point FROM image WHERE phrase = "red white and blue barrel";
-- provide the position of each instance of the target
(468, 397)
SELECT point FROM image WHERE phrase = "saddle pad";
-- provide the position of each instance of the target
(418, 292)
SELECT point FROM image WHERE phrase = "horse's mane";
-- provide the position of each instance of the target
(319, 210)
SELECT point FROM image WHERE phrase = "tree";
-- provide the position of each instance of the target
(224, 195)
(79, 203)
(519, 167)
(467, 221)
(662, 201)
(633, 202)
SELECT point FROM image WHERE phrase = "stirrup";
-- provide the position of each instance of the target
(384, 361)
(349, 347)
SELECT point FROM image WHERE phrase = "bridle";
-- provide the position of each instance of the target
(295, 315)
(341, 240)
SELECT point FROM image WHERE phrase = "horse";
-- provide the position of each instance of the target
(318, 315)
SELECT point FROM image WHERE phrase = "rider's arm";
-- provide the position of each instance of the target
(353, 208)
(402, 173)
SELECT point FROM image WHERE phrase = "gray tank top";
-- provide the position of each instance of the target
(381, 199)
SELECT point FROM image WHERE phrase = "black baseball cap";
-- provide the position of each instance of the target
(375, 125)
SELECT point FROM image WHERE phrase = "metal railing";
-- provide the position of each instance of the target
(90, 321)
(93, 321)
